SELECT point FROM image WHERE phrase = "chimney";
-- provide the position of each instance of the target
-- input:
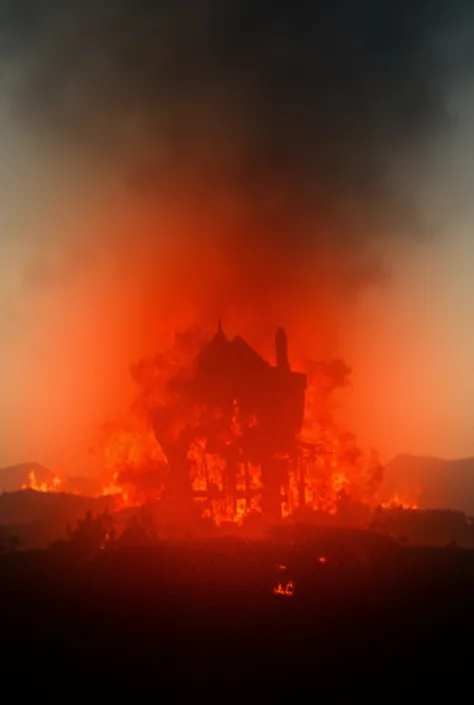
(281, 349)
(220, 331)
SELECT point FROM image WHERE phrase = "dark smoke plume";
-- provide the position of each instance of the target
(297, 131)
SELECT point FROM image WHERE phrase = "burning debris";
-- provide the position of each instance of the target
(286, 591)
(285, 586)
(219, 433)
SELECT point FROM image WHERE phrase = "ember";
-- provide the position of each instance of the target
(287, 591)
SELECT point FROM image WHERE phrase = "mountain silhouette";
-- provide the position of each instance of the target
(39, 518)
(437, 483)
(13, 477)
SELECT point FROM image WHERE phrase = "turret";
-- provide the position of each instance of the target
(281, 349)
(220, 331)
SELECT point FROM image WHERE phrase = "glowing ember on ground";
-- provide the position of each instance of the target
(287, 591)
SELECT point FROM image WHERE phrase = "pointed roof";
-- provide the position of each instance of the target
(229, 356)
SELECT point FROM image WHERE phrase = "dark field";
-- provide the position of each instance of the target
(368, 620)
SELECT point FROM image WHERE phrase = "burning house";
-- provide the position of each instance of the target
(227, 435)
(233, 455)
(217, 432)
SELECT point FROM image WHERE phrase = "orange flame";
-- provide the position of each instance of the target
(33, 484)
(128, 451)
(398, 502)
(287, 591)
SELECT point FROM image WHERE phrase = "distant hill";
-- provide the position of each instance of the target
(12, 478)
(39, 518)
(434, 483)
(437, 483)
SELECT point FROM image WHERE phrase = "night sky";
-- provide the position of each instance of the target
(305, 164)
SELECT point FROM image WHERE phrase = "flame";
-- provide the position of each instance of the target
(128, 449)
(398, 502)
(114, 489)
(32, 483)
(287, 591)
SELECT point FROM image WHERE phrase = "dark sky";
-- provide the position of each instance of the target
(299, 107)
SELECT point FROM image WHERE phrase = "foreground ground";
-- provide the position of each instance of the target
(380, 623)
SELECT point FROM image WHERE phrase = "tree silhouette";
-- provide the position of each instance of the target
(93, 533)
(8, 542)
(13, 543)
(3, 539)
(140, 530)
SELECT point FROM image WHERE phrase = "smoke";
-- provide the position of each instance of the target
(284, 125)
(255, 159)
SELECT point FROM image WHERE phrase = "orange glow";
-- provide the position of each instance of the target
(134, 290)
(131, 303)
(126, 299)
